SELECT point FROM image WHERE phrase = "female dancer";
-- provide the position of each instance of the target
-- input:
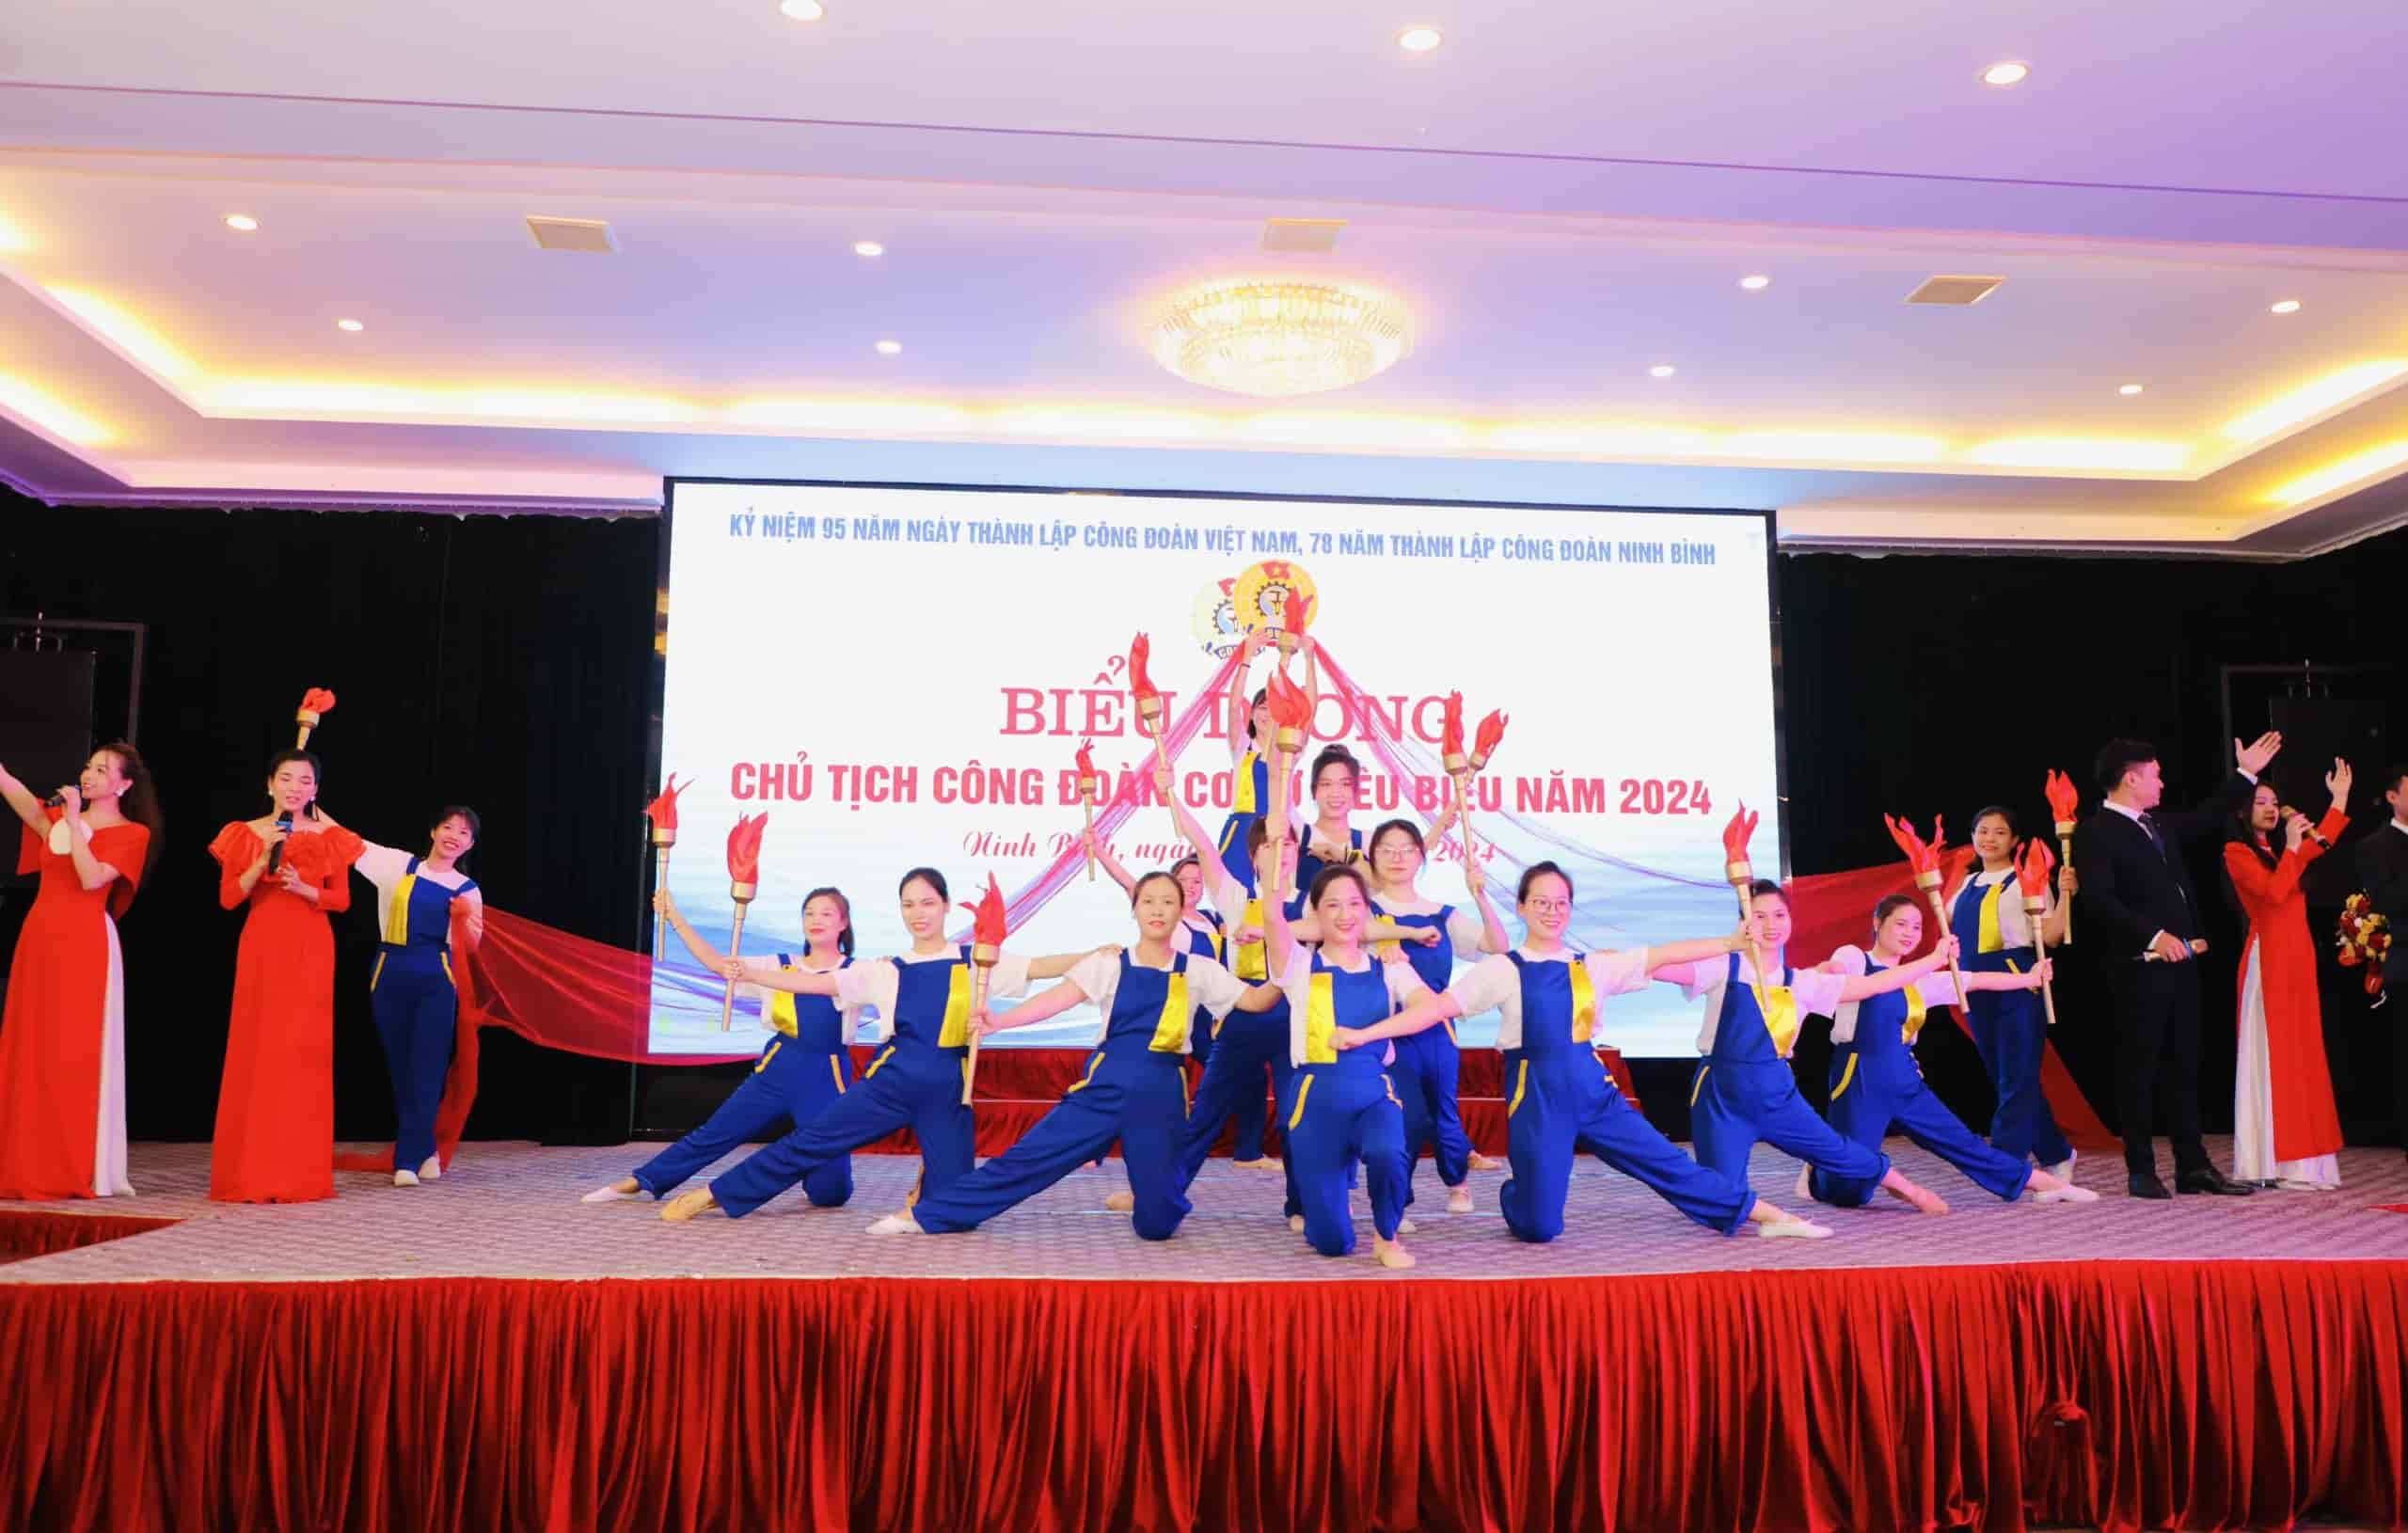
(1875, 1083)
(411, 992)
(2285, 1131)
(1745, 1091)
(1134, 1088)
(275, 1111)
(1201, 930)
(1331, 840)
(805, 1067)
(2010, 1027)
(1564, 1100)
(916, 1079)
(1250, 731)
(1339, 1106)
(1428, 1065)
(62, 1039)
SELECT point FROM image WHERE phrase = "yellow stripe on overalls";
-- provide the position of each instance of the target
(1584, 1000)
(397, 915)
(769, 1054)
(1991, 940)
(1170, 1034)
(1521, 1085)
(1304, 1089)
(1320, 1021)
(955, 1033)
(1846, 1075)
(1698, 1086)
(1085, 1080)
(1244, 803)
(1915, 1012)
(1252, 964)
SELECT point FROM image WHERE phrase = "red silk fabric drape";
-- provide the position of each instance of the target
(2126, 1394)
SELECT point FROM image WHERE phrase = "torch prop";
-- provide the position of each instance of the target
(1086, 801)
(315, 704)
(662, 812)
(1742, 874)
(2065, 803)
(1926, 862)
(986, 934)
(2032, 877)
(1483, 745)
(1457, 764)
(1150, 701)
(1294, 614)
(1291, 716)
(743, 882)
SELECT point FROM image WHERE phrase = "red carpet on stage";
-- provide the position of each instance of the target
(32, 1232)
(2212, 1395)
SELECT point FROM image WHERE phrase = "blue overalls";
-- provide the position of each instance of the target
(799, 1075)
(1204, 944)
(2010, 1027)
(1244, 1044)
(417, 1007)
(1876, 1082)
(1562, 1101)
(1134, 1089)
(915, 1082)
(1429, 1064)
(1248, 802)
(1745, 1091)
(1339, 1108)
(1308, 867)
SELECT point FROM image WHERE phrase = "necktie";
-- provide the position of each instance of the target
(2154, 839)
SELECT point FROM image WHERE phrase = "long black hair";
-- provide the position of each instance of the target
(935, 880)
(845, 937)
(139, 802)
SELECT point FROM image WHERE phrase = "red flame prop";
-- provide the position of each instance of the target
(1290, 707)
(987, 917)
(744, 849)
(1491, 733)
(1141, 685)
(1451, 730)
(1296, 613)
(1921, 857)
(2032, 873)
(1737, 835)
(663, 811)
(1087, 764)
(317, 700)
(2065, 799)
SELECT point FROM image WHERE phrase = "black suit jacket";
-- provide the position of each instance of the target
(2129, 891)
(2383, 873)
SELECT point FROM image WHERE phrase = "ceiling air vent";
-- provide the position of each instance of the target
(590, 235)
(1302, 236)
(1959, 290)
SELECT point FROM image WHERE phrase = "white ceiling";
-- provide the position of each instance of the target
(1561, 196)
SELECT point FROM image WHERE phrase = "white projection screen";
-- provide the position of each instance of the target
(902, 676)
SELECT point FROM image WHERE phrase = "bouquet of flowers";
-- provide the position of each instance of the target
(2366, 939)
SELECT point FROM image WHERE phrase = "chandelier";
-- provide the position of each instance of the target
(1276, 338)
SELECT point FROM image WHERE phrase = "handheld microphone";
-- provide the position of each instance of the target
(275, 853)
(2313, 834)
(57, 800)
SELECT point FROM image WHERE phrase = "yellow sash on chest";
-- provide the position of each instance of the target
(1170, 1034)
(1251, 962)
(1243, 802)
(1320, 1021)
(1779, 1008)
(1584, 1001)
(955, 1033)
(1990, 939)
(1914, 1012)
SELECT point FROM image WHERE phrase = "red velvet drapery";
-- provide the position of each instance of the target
(2127, 1395)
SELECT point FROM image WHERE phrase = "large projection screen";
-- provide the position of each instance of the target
(901, 675)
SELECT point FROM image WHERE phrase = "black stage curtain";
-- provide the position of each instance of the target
(497, 661)
(505, 661)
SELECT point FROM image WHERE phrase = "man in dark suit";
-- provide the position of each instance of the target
(2137, 903)
(2383, 873)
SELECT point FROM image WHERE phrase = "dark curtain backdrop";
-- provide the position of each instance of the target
(497, 662)
(506, 661)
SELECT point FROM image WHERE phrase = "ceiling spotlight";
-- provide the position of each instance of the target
(868, 247)
(242, 222)
(801, 11)
(2288, 305)
(2130, 388)
(1419, 39)
(353, 325)
(2008, 74)
(890, 348)
(1661, 370)
(1755, 284)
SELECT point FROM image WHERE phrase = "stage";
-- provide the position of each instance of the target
(488, 1351)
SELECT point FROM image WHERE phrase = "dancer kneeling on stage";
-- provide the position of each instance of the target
(803, 1070)
(1339, 1106)
(916, 1079)
(1563, 1099)
(1876, 1083)
(1744, 1089)
(1134, 1087)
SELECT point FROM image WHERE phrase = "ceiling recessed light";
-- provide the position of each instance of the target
(2288, 305)
(349, 325)
(1755, 284)
(1661, 370)
(868, 247)
(801, 11)
(1419, 39)
(2007, 73)
(889, 348)
(243, 222)
(2130, 388)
